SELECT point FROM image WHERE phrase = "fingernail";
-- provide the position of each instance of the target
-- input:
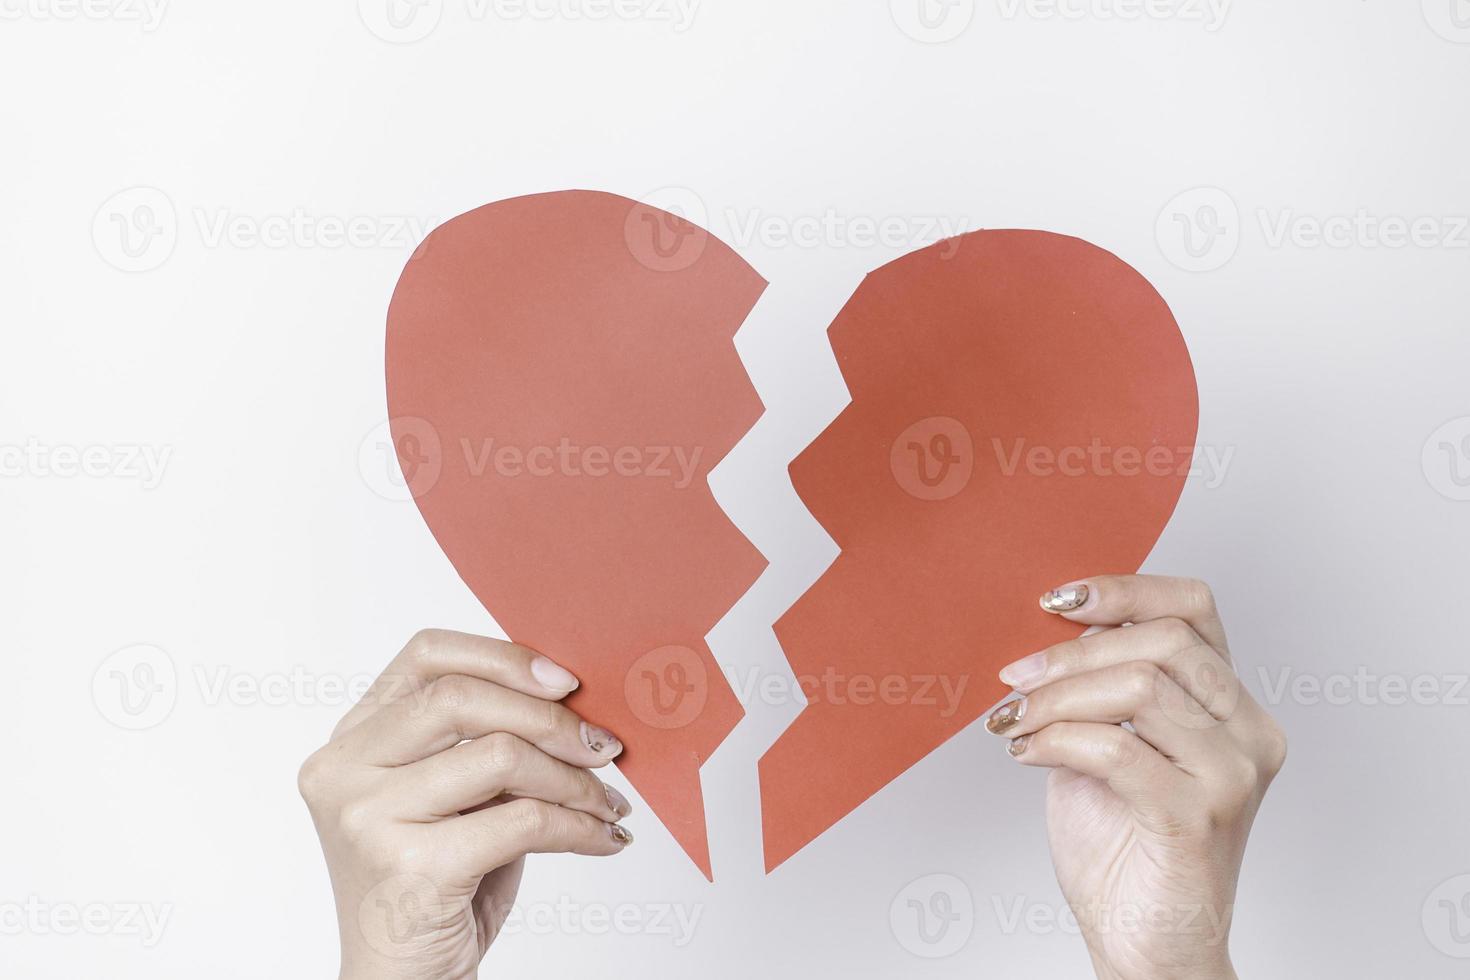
(601, 741)
(553, 677)
(1018, 745)
(1068, 598)
(1026, 672)
(617, 802)
(1004, 718)
(620, 834)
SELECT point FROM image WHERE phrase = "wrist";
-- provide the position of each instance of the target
(1221, 969)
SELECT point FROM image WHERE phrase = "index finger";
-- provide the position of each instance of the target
(1113, 600)
(434, 653)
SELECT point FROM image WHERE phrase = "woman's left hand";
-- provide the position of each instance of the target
(1148, 823)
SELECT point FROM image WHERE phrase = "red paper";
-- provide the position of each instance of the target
(952, 354)
(571, 356)
(562, 378)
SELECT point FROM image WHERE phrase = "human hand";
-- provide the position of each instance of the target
(1148, 824)
(456, 763)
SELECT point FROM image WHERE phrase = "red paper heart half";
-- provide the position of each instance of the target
(1023, 414)
(561, 379)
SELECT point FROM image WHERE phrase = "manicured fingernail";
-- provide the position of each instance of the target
(1018, 745)
(1026, 672)
(1004, 718)
(553, 677)
(1068, 598)
(620, 834)
(601, 741)
(617, 802)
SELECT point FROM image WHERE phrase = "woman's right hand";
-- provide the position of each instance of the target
(456, 763)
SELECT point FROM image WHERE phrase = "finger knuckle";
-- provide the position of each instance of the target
(1141, 679)
(550, 720)
(451, 693)
(1069, 655)
(532, 820)
(503, 752)
(593, 790)
(357, 821)
(315, 777)
(1199, 595)
(1178, 634)
(1126, 596)
(1118, 750)
(1273, 748)
(422, 646)
(408, 856)
(1239, 779)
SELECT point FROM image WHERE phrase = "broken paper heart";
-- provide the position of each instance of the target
(562, 378)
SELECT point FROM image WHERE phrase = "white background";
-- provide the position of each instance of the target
(262, 551)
